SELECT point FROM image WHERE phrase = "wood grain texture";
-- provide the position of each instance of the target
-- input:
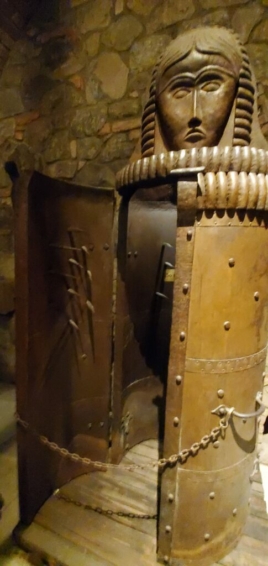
(73, 536)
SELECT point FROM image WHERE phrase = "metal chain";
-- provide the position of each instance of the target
(174, 459)
(101, 510)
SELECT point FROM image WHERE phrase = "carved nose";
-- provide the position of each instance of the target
(196, 114)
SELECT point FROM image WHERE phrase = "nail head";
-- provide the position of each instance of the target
(227, 325)
(220, 393)
(178, 379)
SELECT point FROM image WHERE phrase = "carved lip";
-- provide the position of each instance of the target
(195, 135)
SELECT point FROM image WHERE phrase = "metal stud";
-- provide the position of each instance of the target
(227, 325)
(212, 495)
(106, 247)
(189, 234)
(220, 393)
(182, 336)
(170, 497)
(176, 421)
(178, 379)
(234, 512)
(216, 444)
(231, 262)
(207, 537)
(166, 559)
(89, 425)
(135, 254)
(168, 529)
(102, 424)
(185, 288)
(129, 254)
(256, 296)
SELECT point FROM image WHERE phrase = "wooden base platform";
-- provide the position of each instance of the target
(75, 536)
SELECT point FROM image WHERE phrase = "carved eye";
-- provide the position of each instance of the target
(181, 92)
(210, 86)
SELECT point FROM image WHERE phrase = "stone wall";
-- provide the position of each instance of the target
(72, 91)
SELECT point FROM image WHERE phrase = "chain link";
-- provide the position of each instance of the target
(174, 459)
(101, 510)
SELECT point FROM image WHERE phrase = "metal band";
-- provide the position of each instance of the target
(196, 365)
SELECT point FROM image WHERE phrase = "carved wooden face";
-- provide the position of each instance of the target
(194, 99)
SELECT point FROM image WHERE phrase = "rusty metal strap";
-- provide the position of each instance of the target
(199, 365)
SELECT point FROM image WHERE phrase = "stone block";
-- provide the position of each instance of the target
(145, 52)
(22, 120)
(259, 54)
(95, 175)
(215, 18)
(10, 102)
(119, 7)
(57, 147)
(92, 90)
(112, 74)
(117, 147)
(126, 125)
(88, 121)
(244, 20)
(134, 134)
(207, 4)
(88, 148)
(141, 7)
(37, 132)
(61, 169)
(78, 82)
(95, 15)
(125, 108)
(121, 33)
(92, 44)
(7, 128)
(168, 13)
(73, 149)
(260, 33)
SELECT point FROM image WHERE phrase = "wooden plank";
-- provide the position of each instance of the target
(73, 535)
(98, 534)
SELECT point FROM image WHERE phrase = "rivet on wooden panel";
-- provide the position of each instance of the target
(106, 247)
(168, 529)
(178, 379)
(212, 495)
(220, 393)
(176, 421)
(189, 234)
(185, 288)
(207, 537)
(227, 325)
(182, 336)
(166, 559)
(256, 296)
(170, 497)
(234, 512)
(216, 444)
(231, 262)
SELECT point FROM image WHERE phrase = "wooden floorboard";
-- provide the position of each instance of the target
(76, 536)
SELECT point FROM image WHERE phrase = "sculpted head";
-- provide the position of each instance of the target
(201, 84)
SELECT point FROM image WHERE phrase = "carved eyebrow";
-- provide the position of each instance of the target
(179, 78)
(216, 69)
